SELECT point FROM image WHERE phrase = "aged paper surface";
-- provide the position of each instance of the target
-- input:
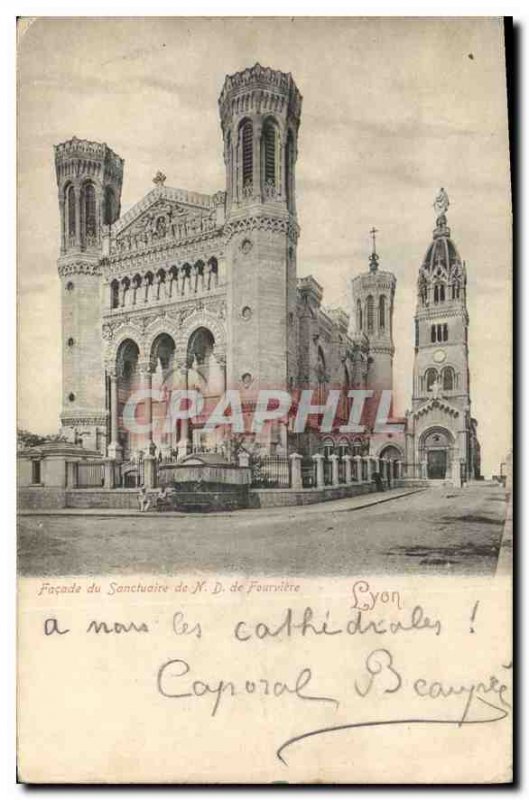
(264, 468)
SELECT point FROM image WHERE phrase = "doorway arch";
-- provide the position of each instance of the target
(435, 451)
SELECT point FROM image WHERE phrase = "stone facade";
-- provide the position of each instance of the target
(188, 290)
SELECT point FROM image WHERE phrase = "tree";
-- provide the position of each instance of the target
(27, 439)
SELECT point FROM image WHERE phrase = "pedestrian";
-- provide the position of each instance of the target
(162, 498)
(143, 499)
(377, 480)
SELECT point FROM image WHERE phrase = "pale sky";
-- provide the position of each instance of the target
(392, 110)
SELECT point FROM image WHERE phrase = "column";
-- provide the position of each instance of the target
(399, 470)
(115, 450)
(358, 468)
(348, 468)
(456, 471)
(243, 458)
(71, 474)
(149, 471)
(295, 471)
(146, 386)
(318, 460)
(109, 473)
(335, 480)
(369, 463)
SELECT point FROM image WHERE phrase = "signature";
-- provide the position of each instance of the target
(381, 661)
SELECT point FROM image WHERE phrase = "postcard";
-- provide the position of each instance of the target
(264, 401)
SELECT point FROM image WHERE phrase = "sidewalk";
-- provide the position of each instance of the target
(331, 506)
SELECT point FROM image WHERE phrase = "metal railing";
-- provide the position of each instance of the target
(271, 472)
(90, 474)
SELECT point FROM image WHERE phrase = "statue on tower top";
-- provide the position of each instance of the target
(441, 203)
(159, 179)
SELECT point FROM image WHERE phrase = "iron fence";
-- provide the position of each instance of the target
(271, 472)
(308, 473)
(167, 474)
(131, 474)
(90, 474)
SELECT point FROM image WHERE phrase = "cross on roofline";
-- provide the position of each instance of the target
(373, 233)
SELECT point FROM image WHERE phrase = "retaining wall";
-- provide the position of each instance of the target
(49, 498)
(37, 497)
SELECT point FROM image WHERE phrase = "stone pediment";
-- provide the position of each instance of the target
(166, 215)
(162, 208)
(436, 403)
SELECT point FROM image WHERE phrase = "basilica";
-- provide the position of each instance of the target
(192, 290)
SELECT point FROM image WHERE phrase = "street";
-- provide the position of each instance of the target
(439, 530)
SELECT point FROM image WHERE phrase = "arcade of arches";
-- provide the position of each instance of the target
(163, 373)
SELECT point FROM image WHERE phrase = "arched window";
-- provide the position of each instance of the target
(109, 206)
(448, 378)
(359, 321)
(269, 145)
(162, 351)
(125, 287)
(200, 349)
(430, 378)
(136, 283)
(370, 313)
(246, 139)
(455, 291)
(433, 334)
(89, 212)
(436, 294)
(320, 366)
(212, 272)
(382, 312)
(114, 294)
(442, 332)
(71, 213)
(327, 447)
(442, 293)
(289, 169)
(357, 447)
(126, 365)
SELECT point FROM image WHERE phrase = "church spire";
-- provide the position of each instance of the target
(373, 258)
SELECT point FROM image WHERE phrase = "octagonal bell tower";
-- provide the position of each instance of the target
(89, 179)
(260, 115)
(373, 299)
